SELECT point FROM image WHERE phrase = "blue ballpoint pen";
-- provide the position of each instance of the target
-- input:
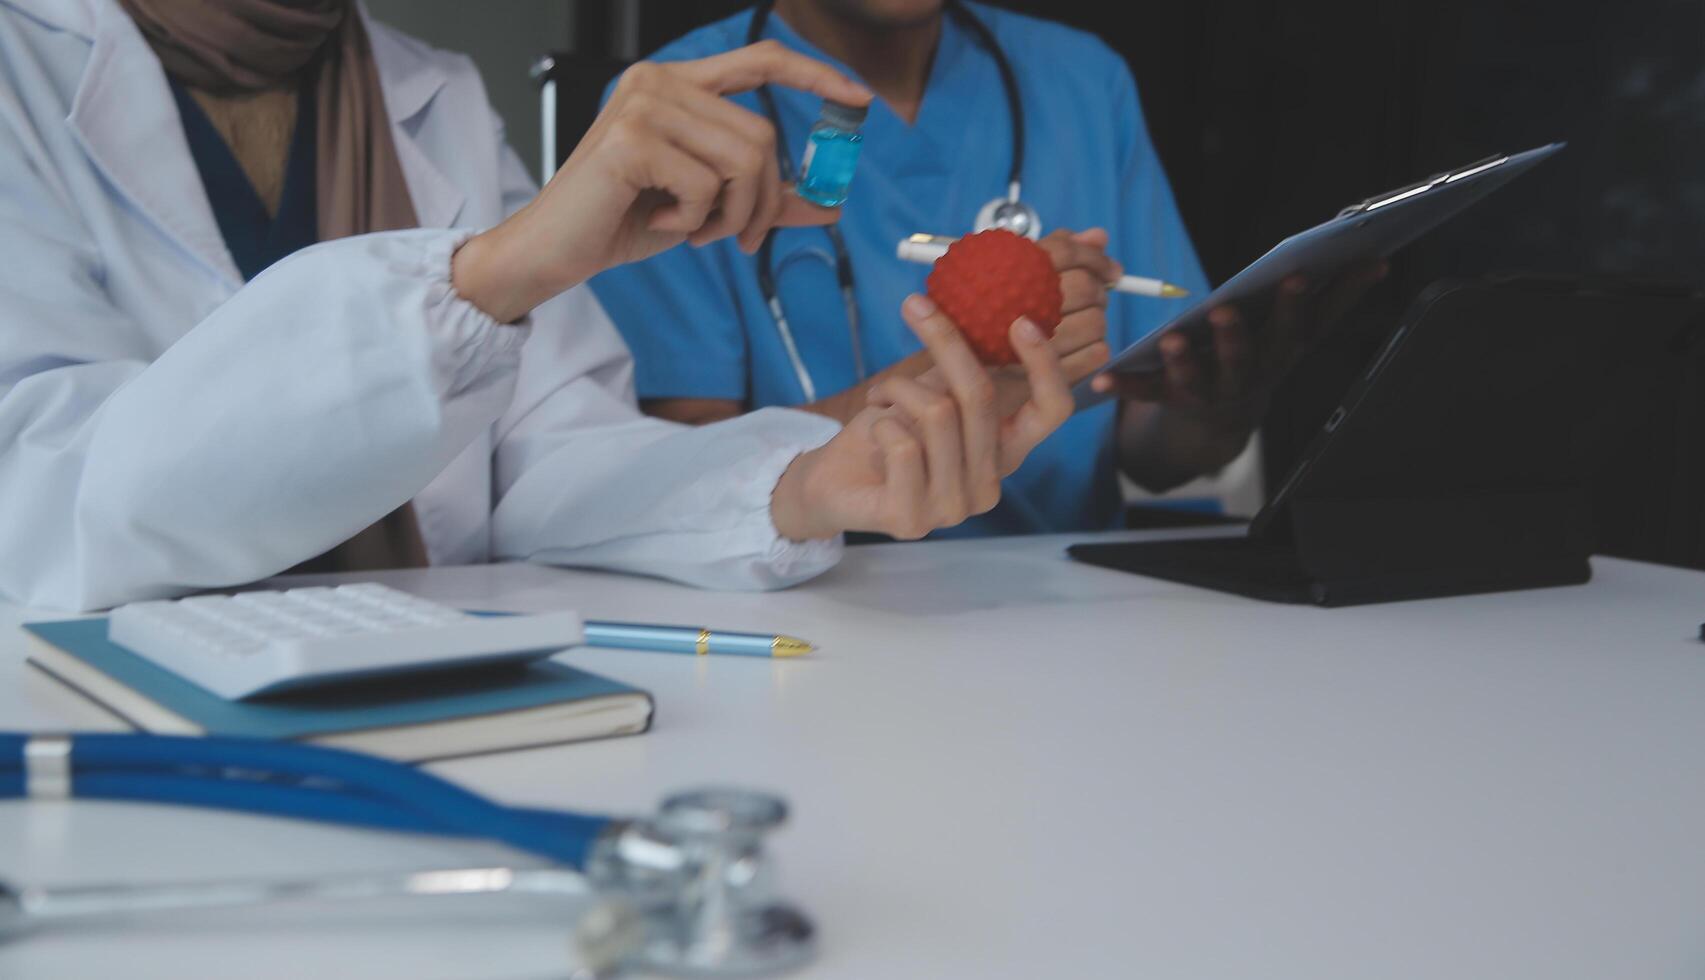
(692, 639)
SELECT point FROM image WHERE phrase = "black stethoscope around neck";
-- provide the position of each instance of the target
(1008, 212)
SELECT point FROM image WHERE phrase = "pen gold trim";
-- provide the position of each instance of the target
(789, 646)
(703, 646)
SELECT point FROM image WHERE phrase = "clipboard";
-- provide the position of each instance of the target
(1377, 226)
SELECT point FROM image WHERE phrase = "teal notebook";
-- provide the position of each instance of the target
(411, 718)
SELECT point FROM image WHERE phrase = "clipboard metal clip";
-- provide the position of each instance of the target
(1421, 187)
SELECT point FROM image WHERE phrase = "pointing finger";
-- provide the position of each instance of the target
(768, 62)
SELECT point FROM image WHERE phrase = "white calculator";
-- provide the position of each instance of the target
(265, 642)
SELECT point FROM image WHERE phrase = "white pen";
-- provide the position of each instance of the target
(927, 248)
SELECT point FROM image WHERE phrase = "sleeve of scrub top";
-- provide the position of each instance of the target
(582, 478)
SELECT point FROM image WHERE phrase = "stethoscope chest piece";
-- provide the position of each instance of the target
(698, 880)
(1011, 214)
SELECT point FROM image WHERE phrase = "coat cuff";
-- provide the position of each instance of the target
(785, 562)
(470, 339)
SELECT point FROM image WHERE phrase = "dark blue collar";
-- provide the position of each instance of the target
(255, 239)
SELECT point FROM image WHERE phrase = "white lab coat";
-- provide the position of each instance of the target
(165, 428)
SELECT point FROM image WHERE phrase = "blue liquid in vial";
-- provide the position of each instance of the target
(831, 156)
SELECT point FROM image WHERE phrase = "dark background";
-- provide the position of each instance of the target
(1269, 116)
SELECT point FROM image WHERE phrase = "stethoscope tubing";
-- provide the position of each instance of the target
(299, 781)
(842, 260)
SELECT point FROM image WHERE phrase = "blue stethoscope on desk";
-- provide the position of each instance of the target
(1009, 212)
(681, 892)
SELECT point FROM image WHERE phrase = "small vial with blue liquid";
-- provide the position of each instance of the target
(831, 154)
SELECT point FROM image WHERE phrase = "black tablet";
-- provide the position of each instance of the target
(1375, 227)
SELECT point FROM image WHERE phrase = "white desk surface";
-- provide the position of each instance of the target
(1006, 765)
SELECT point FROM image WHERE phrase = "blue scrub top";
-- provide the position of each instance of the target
(695, 317)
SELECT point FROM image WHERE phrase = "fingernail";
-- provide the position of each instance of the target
(1101, 382)
(1029, 332)
(918, 305)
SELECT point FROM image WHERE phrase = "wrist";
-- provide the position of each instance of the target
(791, 510)
(502, 270)
(1162, 446)
(482, 276)
(1227, 420)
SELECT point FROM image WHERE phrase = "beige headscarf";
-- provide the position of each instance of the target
(231, 46)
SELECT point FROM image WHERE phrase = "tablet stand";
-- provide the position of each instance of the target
(1353, 551)
(1472, 456)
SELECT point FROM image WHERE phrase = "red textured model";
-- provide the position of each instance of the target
(987, 280)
